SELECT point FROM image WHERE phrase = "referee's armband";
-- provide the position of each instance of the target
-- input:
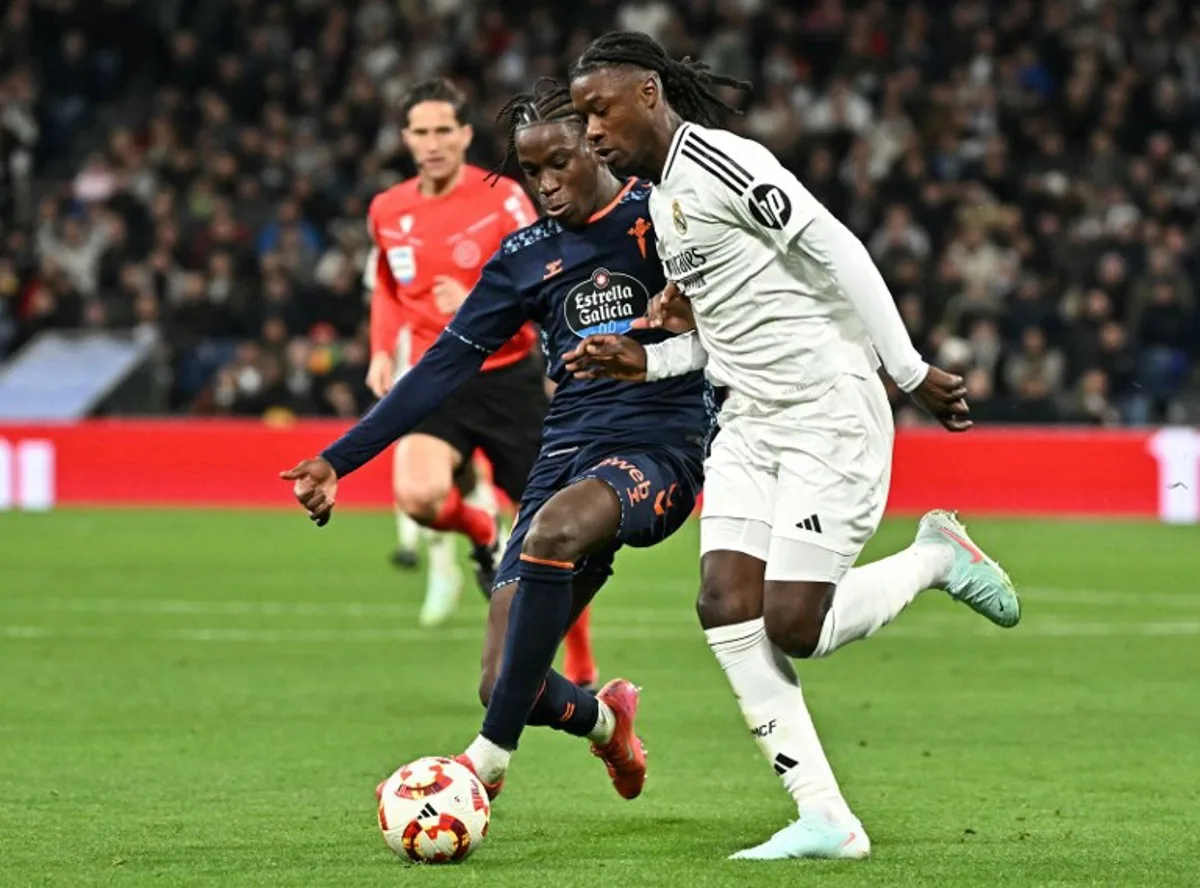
(676, 356)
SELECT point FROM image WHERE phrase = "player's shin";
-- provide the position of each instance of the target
(871, 596)
(772, 703)
(537, 620)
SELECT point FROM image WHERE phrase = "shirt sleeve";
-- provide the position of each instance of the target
(829, 241)
(770, 203)
(386, 315)
(492, 313)
(676, 356)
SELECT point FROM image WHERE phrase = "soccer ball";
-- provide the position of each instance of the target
(433, 810)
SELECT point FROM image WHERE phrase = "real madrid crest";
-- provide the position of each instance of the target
(677, 216)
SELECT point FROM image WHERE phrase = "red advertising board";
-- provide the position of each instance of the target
(232, 463)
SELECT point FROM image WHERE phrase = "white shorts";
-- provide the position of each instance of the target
(802, 488)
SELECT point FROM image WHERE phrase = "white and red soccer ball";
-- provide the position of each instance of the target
(433, 810)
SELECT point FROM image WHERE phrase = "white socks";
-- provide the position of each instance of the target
(871, 596)
(442, 549)
(765, 684)
(408, 532)
(605, 723)
(771, 701)
(490, 760)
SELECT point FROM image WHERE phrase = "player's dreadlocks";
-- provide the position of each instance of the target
(548, 102)
(688, 84)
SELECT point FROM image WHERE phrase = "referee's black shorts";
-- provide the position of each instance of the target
(499, 412)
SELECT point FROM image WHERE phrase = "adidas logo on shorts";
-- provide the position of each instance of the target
(812, 523)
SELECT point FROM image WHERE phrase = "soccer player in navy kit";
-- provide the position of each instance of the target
(620, 464)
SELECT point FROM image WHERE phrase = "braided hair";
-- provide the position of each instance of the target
(688, 84)
(548, 102)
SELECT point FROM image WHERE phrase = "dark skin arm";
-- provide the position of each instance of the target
(944, 397)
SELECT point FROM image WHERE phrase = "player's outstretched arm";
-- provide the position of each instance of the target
(448, 364)
(491, 315)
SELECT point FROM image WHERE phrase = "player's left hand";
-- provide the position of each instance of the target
(448, 293)
(609, 356)
(944, 396)
(315, 488)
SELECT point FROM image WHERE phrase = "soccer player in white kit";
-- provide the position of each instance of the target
(792, 316)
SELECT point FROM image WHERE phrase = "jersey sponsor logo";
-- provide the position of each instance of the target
(769, 206)
(607, 302)
(403, 263)
(678, 218)
(466, 254)
(638, 232)
(687, 269)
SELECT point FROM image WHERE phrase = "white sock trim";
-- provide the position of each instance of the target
(490, 760)
(606, 722)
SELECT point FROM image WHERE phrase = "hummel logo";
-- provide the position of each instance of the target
(812, 523)
(783, 764)
(427, 811)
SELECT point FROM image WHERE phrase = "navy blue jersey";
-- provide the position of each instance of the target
(572, 284)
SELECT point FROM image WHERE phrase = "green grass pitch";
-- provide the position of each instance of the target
(197, 698)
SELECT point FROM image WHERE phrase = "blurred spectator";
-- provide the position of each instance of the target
(1024, 174)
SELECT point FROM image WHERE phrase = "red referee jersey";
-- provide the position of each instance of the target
(421, 238)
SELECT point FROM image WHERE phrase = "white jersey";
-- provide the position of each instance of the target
(786, 298)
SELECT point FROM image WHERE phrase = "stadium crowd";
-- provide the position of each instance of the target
(1025, 174)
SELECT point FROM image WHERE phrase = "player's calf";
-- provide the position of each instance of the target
(421, 503)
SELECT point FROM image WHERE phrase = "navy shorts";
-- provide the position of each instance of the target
(657, 488)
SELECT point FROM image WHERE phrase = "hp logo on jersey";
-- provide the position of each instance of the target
(769, 206)
(607, 302)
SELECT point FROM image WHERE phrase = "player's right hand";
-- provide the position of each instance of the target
(607, 355)
(944, 396)
(315, 487)
(669, 310)
(380, 374)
